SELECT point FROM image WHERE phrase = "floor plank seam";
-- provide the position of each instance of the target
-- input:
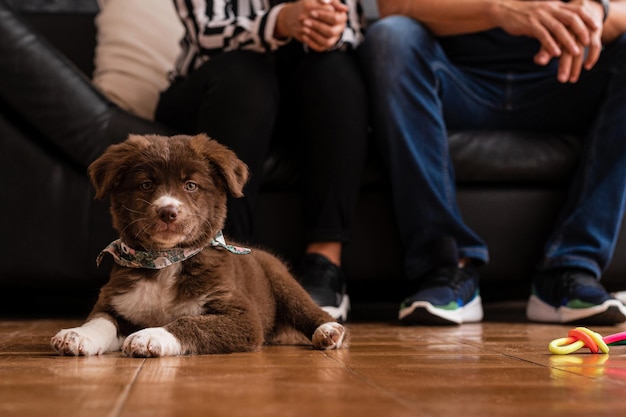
(123, 398)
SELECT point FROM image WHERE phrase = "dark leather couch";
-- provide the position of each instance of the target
(53, 123)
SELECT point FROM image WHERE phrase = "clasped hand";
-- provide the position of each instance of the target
(571, 32)
(319, 24)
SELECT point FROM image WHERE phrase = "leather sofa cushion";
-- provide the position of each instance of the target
(513, 156)
(479, 158)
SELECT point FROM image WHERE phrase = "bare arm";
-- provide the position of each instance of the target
(456, 17)
(554, 23)
(615, 25)
(564, 30)
(445, 17)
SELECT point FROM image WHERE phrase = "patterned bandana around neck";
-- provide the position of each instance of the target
(126, 256)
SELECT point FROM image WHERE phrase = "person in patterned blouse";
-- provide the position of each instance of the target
(252, 72)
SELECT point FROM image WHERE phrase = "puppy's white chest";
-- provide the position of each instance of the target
(155, 302)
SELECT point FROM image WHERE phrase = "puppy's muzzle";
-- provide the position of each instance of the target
(168, 214)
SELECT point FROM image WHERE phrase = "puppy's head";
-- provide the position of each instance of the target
(168, 192)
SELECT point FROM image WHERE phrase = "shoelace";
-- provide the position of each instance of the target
(443, 277)
(582, 337)
(452, 277)
(567, 284)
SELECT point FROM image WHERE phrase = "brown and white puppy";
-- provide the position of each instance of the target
(168, 203)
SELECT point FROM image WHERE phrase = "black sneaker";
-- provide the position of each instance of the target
(572, 296)
(326, 284)
(447, 296)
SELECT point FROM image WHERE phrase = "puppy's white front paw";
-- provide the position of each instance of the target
(329, 336)
(75, 342)
(92, 338)
(150, 343)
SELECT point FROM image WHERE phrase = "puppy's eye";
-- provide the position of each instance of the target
(146, 186)
(191, 186)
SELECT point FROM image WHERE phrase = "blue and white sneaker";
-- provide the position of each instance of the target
(449, 295)
(572, 296)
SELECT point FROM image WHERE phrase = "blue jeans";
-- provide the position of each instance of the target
(418, 94)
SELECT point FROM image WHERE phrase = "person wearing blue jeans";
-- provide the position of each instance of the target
(544, 66)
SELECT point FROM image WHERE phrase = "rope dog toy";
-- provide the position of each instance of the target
(581, 337)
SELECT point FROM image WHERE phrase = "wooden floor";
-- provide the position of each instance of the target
(501, 367)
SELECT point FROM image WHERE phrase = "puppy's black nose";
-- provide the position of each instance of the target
(168, 214)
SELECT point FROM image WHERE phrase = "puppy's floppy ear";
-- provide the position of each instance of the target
(106, 171)
(233, 169)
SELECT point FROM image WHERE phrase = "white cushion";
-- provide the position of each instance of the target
(138, 42)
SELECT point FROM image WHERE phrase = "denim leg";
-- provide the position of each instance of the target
(403, 64)
(587, 230)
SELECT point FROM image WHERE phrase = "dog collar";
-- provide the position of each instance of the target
(220, 242)
(126, 256)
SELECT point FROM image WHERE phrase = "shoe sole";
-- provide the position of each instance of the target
(423, 312)
(339, 313)
(610, 312)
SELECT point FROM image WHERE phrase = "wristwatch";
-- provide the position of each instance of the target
(606, 5)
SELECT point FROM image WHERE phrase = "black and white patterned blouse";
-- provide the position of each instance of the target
(216, 26)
